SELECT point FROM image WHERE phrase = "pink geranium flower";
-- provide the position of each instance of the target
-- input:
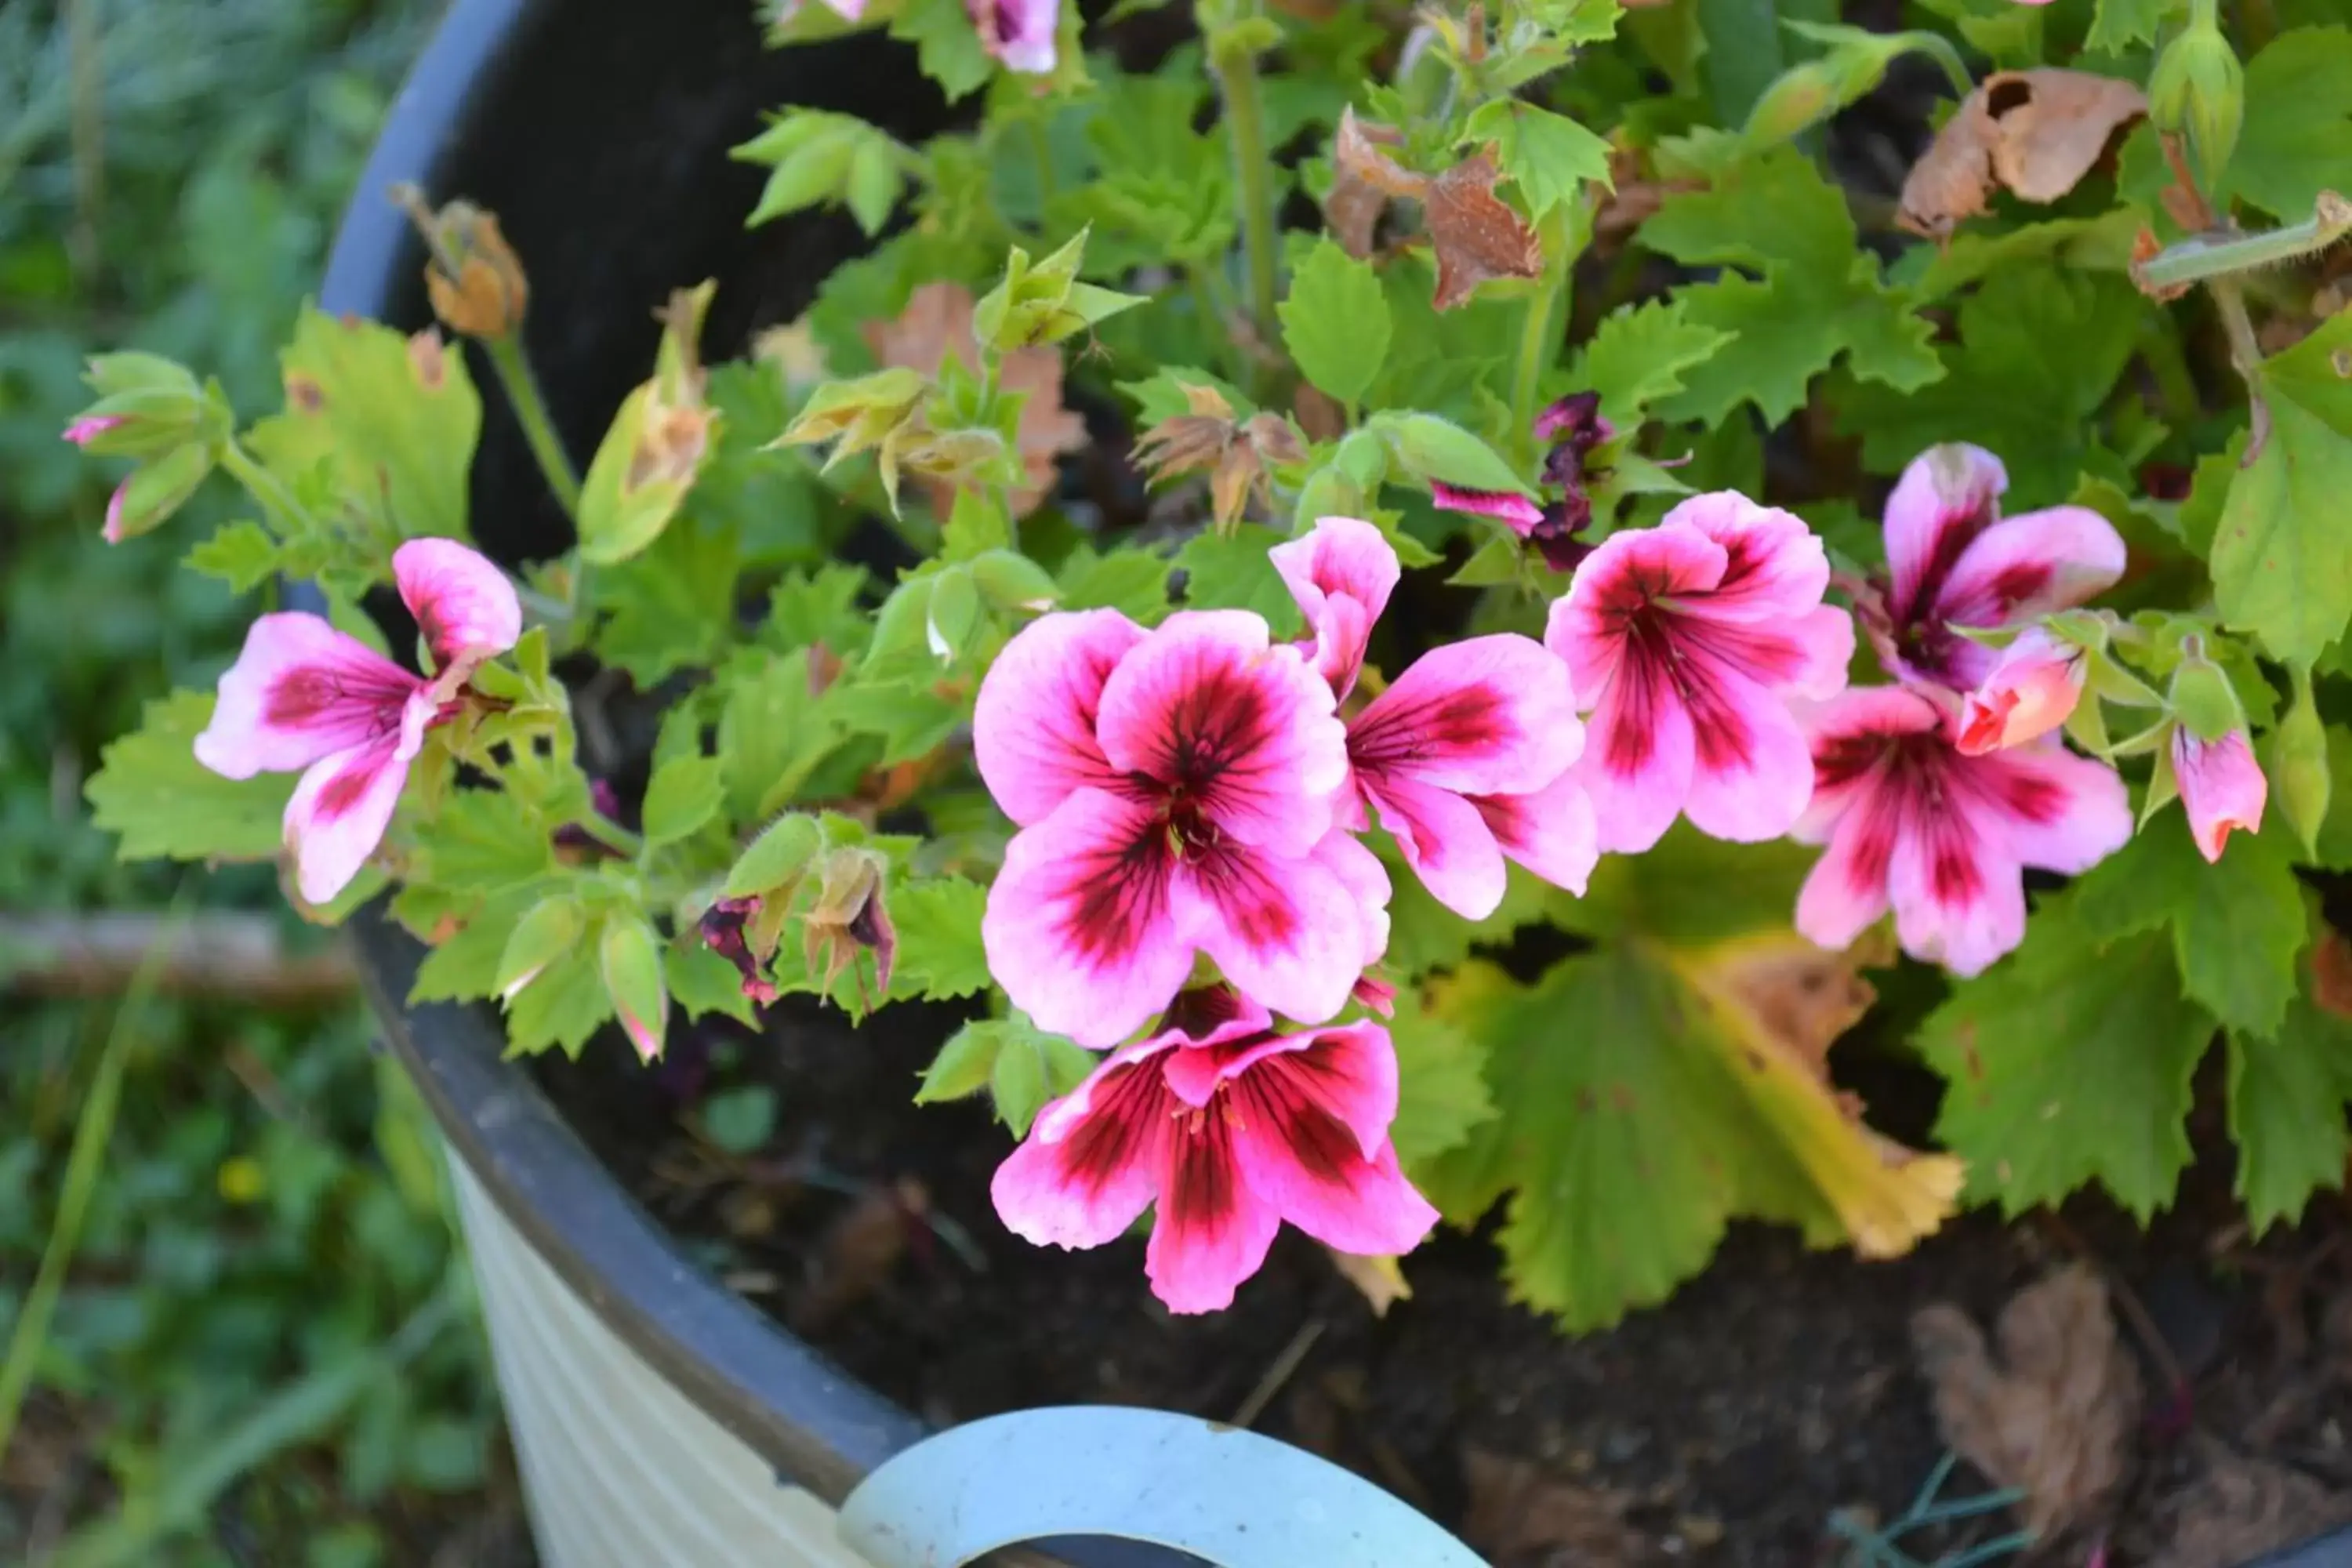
(1943, 838)
(2029, 691)
(1019, 33)
(2221, 787)
(1175, 790)
(303, 696)
(1231, 1130)
(1685, 641)
(1465, 756)
(1953, 560)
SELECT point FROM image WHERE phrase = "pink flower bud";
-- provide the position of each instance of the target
(89, 427)
(2221, 787)
(1517, 510)
(2028, 693)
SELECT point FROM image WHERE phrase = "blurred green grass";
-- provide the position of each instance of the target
(217, 1384)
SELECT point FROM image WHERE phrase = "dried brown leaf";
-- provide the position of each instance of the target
(2036, 132)
(2331, 973)
(1521, 1514)
(936, 325)
(2054, 1417)
(1476, 235)
(2240, 1509)
(1363, 178)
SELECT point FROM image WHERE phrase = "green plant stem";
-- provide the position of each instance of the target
(264, 487)
(610, 834)
(1539, 344)
(94, 1130)
(2204, 257)
(530, 410)
(1237, 80)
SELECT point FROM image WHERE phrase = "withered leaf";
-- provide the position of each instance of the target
(2036, 132)
(1476, 235)
(936, 324)
(1381, 1279)
(2240, 1509)
(1363, 179)
(1521, 1514)
(2054, 1417)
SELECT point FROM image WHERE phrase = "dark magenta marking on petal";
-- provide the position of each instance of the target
(1392, 736)
(1252, 902)
(347, 787)
(1120, 890)
(1117, 1129)
(1202, 1010)
(1202, 1192)
(1214, 725)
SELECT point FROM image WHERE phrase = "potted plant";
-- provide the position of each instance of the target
(1338, 618)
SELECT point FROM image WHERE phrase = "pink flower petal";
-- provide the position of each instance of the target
(1213, 1231)
(1623, 578)
(89, 427)
(1849, 735)
(1752, 773)
(1947, 497)
(2031, 689)
(1639, 755)
(1773, 565)
(1092, 1160)
(465, 607)
(1360, 1205)
(2053, 809)
(299, 692)
(1359, 871)
(1824, 638)
(2023, 568)
(1445, 839)
(1959, 897)
(1020, 33)
(1345, 559)
(339, 810)
(1206, 1016)
(2221, 787)
(1080, 930)
(1489, 715)
(1551, 831)
(1288, 932)
(1845, 893)
(1514, 510)
(1244, 733)
(1032, 728)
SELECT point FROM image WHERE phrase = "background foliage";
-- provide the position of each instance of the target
(211, 1387)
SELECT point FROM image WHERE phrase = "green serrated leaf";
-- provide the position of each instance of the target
(1548, 156)
(2237, 927)
(2280, 570)
(948, 47)
(1635, 357)
(1032, 1067)
(965, 1064)
(1129, 580)
(2297, 139)
(658, 616)
(771, 730)
(939, 952)
(1233, 572)
(683, 794)
(1441, 1081)
(1335, 322)
(1813, 301)
(2287, 1095)
(2069, 1063)
(911, 720)
(394, 427)
(241, 554)
(2118, 26)
(565, 1006)
(161, 802)
(702, 982)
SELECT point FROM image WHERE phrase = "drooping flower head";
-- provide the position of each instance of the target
(1943, 838)
(1231, 1129)
(1175, 790)
(1465, 756)
(303, 696)
(1685, 642)
(1019, 33)
(1572, 427)
(2031, 689)
(2221, 787)
(1954, 560)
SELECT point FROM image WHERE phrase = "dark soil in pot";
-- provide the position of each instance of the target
(1735, 1424)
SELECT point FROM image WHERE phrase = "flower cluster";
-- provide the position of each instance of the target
(1934, 795)
(1198, 790)
(303, 697)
